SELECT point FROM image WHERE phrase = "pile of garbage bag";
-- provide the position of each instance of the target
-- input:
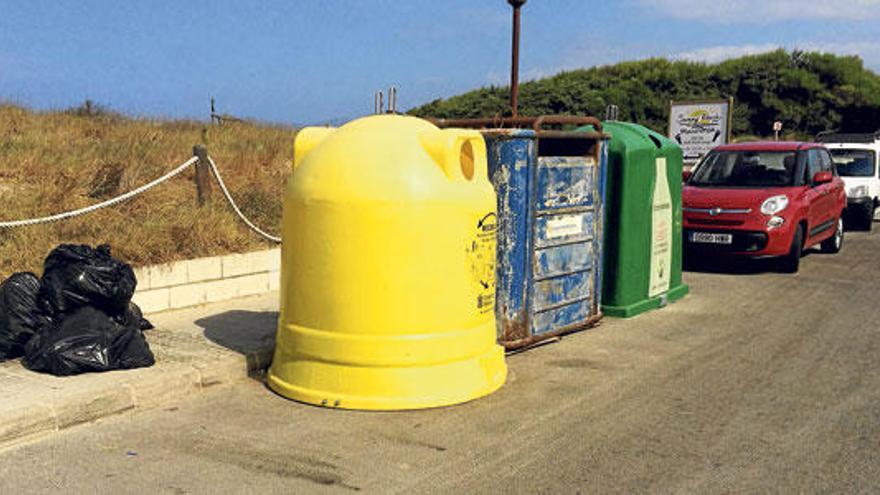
(77, 318)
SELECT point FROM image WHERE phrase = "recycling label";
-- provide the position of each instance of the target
(481, 254)
(661, 232)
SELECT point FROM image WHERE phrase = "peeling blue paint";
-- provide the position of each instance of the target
(509, 157)
(549, 234)
(559, 260)
(564, 181)
(549, 321)
(560, 290)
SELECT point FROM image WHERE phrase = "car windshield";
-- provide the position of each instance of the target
(854, 163)
(746, 169)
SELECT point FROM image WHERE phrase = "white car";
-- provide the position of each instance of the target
(856, 158)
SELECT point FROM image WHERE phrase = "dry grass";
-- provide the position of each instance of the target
(56, 161)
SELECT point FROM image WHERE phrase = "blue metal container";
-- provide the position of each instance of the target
(550, 187)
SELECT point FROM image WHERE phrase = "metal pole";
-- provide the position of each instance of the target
(392, 99)
(514, 63)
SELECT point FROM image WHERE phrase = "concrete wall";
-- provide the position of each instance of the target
(205, 280)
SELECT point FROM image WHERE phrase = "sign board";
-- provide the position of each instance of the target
(777, 126)
(699, 126)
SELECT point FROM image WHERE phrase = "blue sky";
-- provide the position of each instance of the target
(312, 61)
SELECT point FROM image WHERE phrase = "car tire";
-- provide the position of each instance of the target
(833, 244)
(791, 262)
(868, 221)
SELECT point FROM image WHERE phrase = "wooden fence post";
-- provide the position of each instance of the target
(203, 174)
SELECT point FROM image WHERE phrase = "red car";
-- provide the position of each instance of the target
(764, 199)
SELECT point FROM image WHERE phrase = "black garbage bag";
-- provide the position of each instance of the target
(135, 317)
(78, 275)
(88, 340)
(20, 317)
(134, 311)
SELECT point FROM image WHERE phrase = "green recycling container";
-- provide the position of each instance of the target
(643, 225)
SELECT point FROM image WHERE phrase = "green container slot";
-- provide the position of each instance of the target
(643, 223)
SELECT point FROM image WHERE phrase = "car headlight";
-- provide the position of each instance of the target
(775, 222)
(774, 204)
(858, 191)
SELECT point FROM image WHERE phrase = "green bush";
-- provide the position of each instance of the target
(808, 91)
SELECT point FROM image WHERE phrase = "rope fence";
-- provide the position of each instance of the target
(215, 172)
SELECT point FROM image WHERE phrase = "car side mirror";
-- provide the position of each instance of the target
(686, 175)
(823, 177)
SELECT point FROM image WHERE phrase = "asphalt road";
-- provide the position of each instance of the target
(756, 382)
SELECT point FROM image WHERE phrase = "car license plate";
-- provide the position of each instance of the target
(711, 238)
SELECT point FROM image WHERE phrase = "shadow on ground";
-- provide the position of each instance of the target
(251, 333)
(734, 265)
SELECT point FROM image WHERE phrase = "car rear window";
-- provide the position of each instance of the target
(854, 163)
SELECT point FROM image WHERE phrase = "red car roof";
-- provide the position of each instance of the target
(768, 146)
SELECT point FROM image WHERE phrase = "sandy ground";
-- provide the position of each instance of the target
(756, 382)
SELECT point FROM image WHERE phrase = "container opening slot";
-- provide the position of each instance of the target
(466, 157)
(549, 146)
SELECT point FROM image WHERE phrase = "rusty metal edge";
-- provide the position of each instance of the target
(502, 133)
(536, 123)
(521, 344)
(572, 135)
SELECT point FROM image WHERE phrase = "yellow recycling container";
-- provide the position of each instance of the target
(388, 268)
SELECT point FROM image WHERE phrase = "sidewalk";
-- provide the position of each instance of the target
(195, 349)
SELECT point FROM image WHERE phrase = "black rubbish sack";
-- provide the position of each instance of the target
(20, 317)
(89, 340)
(134, 316)
(134, 311)
(78, 275)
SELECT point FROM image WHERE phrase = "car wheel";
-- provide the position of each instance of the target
(834, 243)
(792, 261)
